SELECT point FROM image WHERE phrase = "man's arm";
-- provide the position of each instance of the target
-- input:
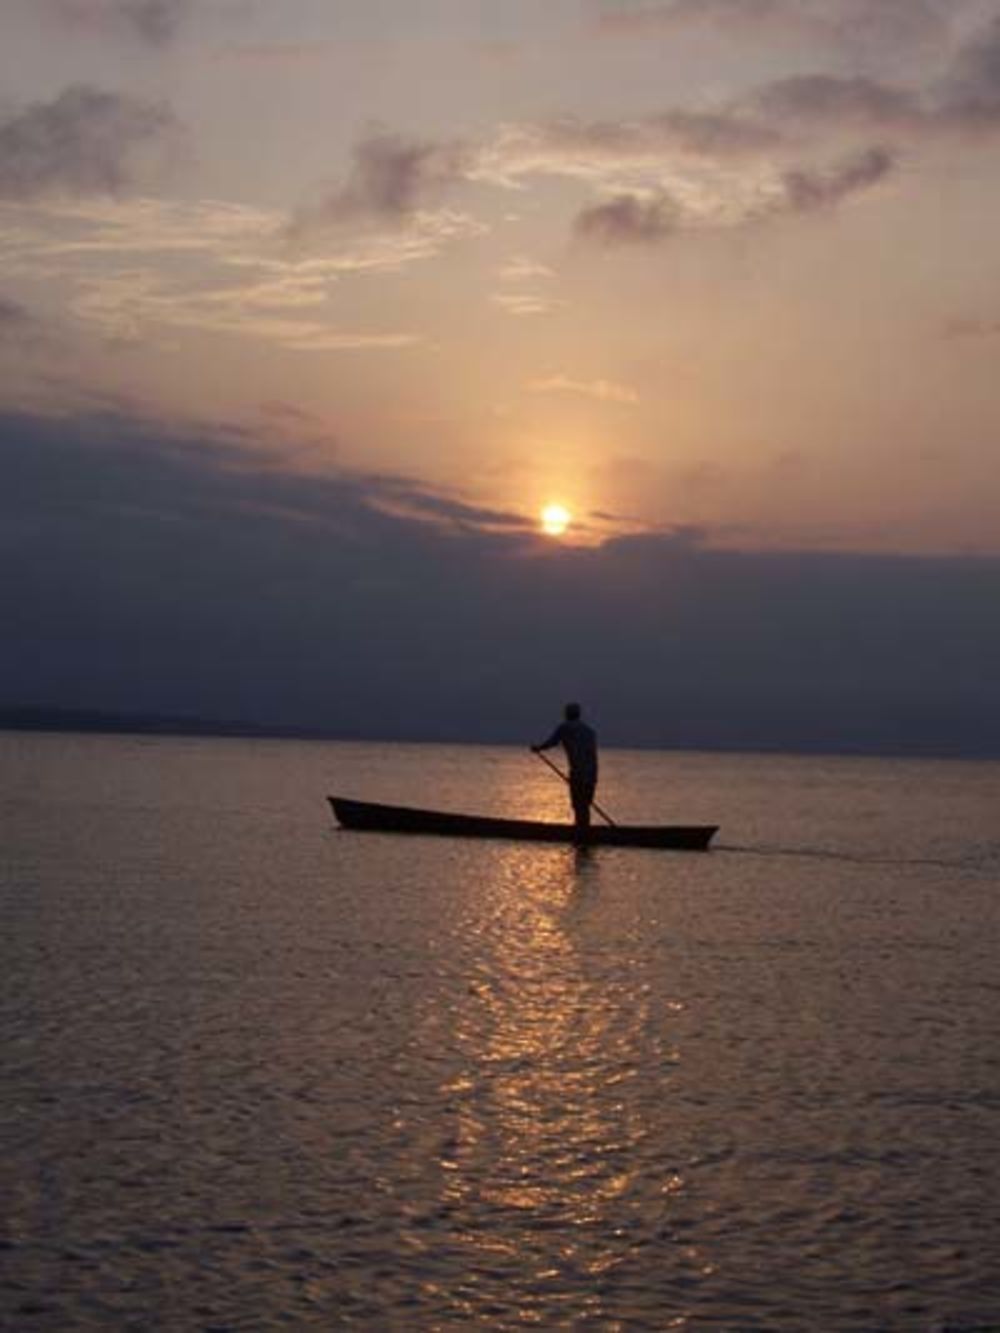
(554, 739)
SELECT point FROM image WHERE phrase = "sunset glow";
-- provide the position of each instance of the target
(402, 403)
(672, 323)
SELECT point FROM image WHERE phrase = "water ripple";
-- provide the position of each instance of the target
(260, 1077)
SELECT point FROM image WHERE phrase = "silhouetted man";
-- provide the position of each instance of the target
(580, 743)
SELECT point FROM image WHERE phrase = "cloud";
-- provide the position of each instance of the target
(628, 219)
(236, 236)
(120, 459)
(855, 23)
(678, 170)
(639, 16)
(85, 141)
(130, 304)
(824, 100)
(636, 219)
(523, 303)
(190, 571)
(382, 216)
(153, 21)
(718, 134)
(519, 268)
(682, 167)
(806, 191)
(391, 180)
(667, 149)
(23, 332)
(571, 146)
(13, 316)
(965, 100)
(138, 266)
(970, 95)
(605, 391)
(886, 25)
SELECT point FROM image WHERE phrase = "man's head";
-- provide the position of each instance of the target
(572, 712)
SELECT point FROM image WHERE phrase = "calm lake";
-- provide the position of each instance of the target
(260, 1073)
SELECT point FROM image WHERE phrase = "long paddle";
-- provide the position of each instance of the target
(556, 769)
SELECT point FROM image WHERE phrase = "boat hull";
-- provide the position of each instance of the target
(403, 819)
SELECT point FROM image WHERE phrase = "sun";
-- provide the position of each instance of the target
(555, 520)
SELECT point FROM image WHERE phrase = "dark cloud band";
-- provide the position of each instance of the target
(153, 568)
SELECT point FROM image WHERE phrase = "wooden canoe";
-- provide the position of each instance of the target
(402, 819)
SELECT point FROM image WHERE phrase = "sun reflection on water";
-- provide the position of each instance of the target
(545, 1163)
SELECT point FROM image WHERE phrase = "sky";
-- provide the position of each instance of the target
(307, 310)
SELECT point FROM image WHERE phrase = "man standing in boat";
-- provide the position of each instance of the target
(580, 743)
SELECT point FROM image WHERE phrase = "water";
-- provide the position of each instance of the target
(259, 1073)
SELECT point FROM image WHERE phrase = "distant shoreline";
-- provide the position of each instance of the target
(97, 722)
(100, 723)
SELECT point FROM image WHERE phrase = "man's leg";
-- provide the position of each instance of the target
(581, 794)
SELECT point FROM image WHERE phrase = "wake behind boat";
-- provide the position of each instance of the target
(403, 819)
